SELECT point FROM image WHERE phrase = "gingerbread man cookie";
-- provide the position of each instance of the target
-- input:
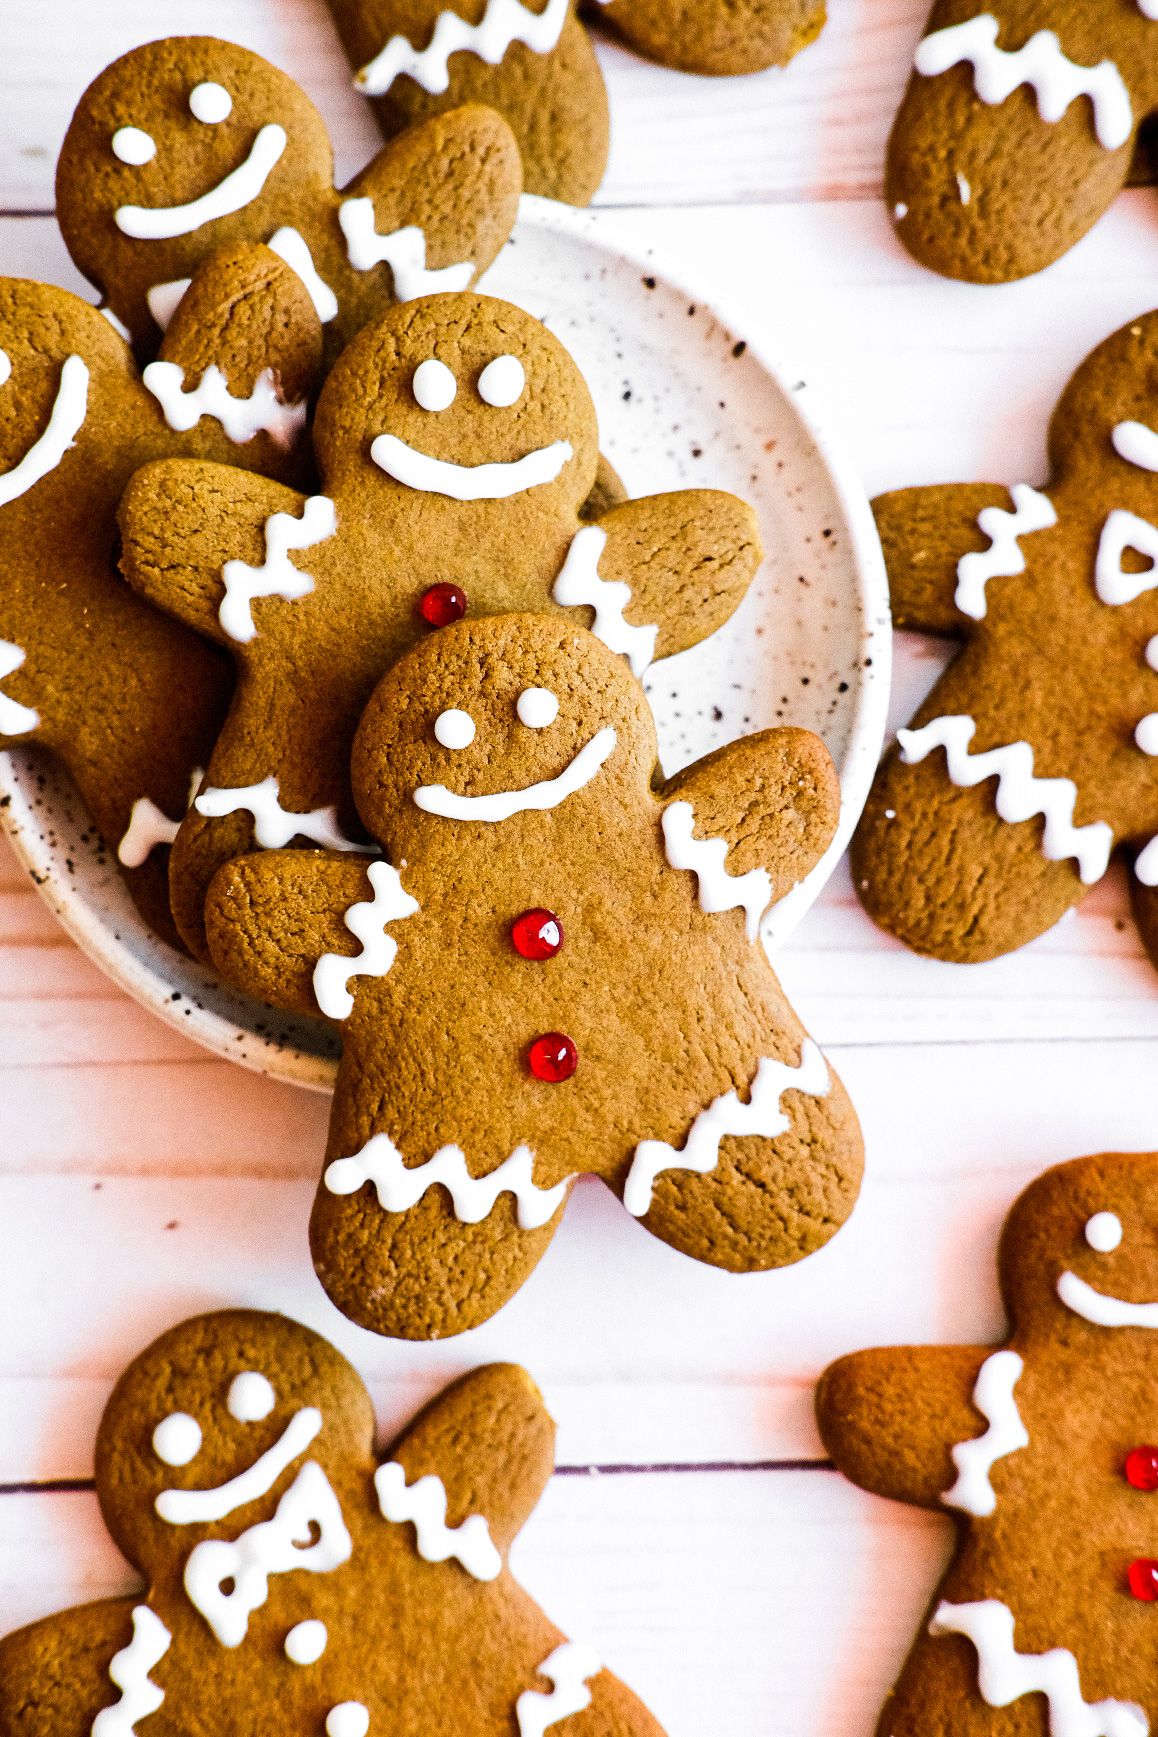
(128, 699)
(184, 145)
(1042, 1452)
(572, 980)
(1035, 753)
(530, 59)
(294, 1581)
(1018, 129)
(715, 36)
(456, 442)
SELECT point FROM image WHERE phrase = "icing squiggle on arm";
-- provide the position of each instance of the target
(64, 424)
(366, 920)
(718, 890)
(503, 22)
(241, 418)
(291, 247)
(473, 1197)
(1003, 558)
(726, 1115)
(129, 1670)
(424, 1503)
(579, 583)
(1122, 531)
(274, 825)
(975, 1459)
(277, 576)
(403, 250)
(236, 190)
(1056, 80)
(568, 1667)
(15, 719)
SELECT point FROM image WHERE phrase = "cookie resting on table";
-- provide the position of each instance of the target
(1043, 1453)
(294, 1582)
(1037, 750)
(715, 36)
(189, 143)
(571, 980)
(129, 700)
(457, 445)
(1018, 129)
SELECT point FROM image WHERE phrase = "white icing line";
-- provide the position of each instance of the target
(148, 826)
(404, 251)
(503, 22)
(424, 1503)
(1003, 558)
(468, 482)
(1056, 81)
(1101, 1310)
(241, 418)
(118, 325)
(718, 890)
(195, 1507)
(15, 719)
(473, 1197)
(274, 825)
(501, 804)
(163, 222)
(367, 921)
(1146, 864)
(1019, 794)
(291, 246)
(975, 1459)
(726, 1115)
(129, 1670)
(163, 300)
(1136, 443)
(276, 577)
(64, 424)
(1122, 531)
(579, 583)
(568, 1667)
(269, 1547)
(1004, 1675)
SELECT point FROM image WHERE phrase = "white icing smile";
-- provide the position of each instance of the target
(501, 804)
(233, 193)
(64, 424)
(1102, 1310)
(462, 482)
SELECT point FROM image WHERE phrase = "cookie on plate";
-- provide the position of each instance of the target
(715, 36)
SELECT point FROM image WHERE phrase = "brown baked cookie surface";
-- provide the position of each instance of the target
(130, 700)
(571, 980)
(1017, 130)
(715, 36)
(1036, 753)
(1040, 1453)
(530, 59)
(296, 1582)
(187, 144)
(457, 445)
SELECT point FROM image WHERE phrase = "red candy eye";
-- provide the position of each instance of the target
(554, 1058)
(537, 934)
(1143, 1577)
(1141, 1468)
(442, 604)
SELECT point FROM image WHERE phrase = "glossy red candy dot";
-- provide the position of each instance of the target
(537, 934)
(1143, 1577)
(1141, 1467)
(442, 604)
(554, 1058)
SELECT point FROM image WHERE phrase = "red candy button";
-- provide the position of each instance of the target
(1141, 1468)
(442, 604)
(537, 934)
(1143, 1577)
(554, 1058)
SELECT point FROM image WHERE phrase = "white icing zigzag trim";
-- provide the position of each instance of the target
(579, 583)
(1101, 1310)
(129, 1670)
(501, 804)
(1134, 442)
(241, 418)
(568, 1667)
(473, 1197)
(404, 251)
(503, 22)
(196, 1507)
(367, 921)
(719, 891)
(1003, 558)
(1019, 794)
(725, 1115)
(64, 424)
(1122, 531)
(468, 482)
(424, 1503)
(974, 1459)
(163, 222)
(1004, 1675)
(274, 825)
(277, 577)
(290, 246)
(1056, 81)
(15, 719)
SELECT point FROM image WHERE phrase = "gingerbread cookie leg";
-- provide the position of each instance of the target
(68, 1658)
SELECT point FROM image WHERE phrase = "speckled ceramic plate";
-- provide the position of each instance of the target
(687, 397)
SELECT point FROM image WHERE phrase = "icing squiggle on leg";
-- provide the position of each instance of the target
(277, 576)
(975, 1459)
(424, 1504)
(473, 1197)
(568, 1667)
(129, 1670)
(579, 583)
(1003, 558)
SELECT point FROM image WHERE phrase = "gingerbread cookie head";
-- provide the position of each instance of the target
(716, 36)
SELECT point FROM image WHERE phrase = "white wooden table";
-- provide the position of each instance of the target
(691, 1533)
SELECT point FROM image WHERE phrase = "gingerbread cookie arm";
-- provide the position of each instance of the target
(939, 557)
(54, 1674)
(271, 916)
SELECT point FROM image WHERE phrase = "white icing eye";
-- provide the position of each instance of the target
(347, 1719)
(1150, 654)
(537, 707)
(250, 1397)
(133, 146)
(501, 382)
(454, 729)
(433, 385)
(1104, 1231)
(305, 1643)
(210, 103)
(5, 367)
(177, 1438)
(1146, 735)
